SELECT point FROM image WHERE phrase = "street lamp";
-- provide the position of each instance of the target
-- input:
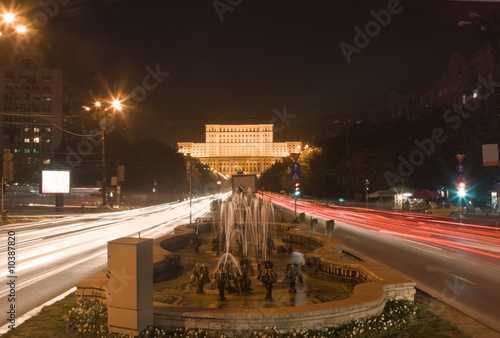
(189, 172)
(8, 24)
(102, 115)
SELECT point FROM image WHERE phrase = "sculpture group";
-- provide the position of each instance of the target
(226, 280)
(243, 231)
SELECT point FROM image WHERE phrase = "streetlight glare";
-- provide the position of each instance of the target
(117, 104)
(9, 17)
(21, 29)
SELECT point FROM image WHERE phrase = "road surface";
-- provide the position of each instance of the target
(458, 264)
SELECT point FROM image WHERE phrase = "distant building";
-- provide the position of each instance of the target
(245, 149)
(31, 106)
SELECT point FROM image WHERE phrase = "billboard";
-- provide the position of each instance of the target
(245, 182)
(55, 182)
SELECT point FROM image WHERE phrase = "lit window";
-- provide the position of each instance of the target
(26, 140)
(36, 140)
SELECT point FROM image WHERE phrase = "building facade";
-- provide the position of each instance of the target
(31, 106)
(244, 149)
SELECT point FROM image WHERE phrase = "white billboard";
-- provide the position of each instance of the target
(55, 182)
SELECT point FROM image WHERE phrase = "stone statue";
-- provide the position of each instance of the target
(200, 276)
(268, 277)
(195, 242)
(242, 281)
(291, 273)
(222, 278)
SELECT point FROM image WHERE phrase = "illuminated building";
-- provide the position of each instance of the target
(244, 149)
(31, 105)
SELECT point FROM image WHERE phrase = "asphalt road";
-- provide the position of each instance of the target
(54, 254)
(455, 263)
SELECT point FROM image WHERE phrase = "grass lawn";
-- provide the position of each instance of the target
(48, 323)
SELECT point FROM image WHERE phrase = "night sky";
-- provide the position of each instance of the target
(249, 59)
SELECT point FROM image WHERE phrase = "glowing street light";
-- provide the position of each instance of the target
(116, 104)
(102, 117)
(9, 18)
(8, 24)
(21, 29)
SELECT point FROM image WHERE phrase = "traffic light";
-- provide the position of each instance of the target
(461, 189)
(6, 187)
(297, 189)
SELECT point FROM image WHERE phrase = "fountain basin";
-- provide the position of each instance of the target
(378, 284)
(375, 284)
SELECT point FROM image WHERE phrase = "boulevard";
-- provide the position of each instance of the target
(455, 263)
(54, 254)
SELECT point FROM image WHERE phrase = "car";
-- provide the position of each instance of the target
(443, 209)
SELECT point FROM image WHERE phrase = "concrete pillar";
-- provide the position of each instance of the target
(330, 224)
(314, 225)
(302, 218)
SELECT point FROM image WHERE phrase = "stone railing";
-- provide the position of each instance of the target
(165, 262)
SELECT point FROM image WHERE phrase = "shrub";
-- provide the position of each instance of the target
(88, 318)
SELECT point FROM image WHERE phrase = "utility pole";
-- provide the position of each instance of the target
(189, 169)
(8, 174)
(102, 125)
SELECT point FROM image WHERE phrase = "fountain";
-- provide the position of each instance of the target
(243, 273)
(244, 263)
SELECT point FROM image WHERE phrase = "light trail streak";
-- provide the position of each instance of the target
(439, 233)
(45, 249)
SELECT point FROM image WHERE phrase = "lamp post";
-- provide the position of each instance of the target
(102, 115)
(189, 168)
